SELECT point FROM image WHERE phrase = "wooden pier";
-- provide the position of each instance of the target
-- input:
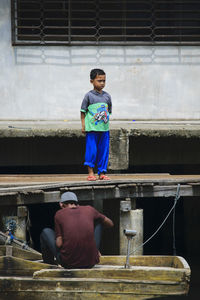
(17, 192)
(30, 189)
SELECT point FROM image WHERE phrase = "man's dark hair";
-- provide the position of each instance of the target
(95, 72)
(70, 202)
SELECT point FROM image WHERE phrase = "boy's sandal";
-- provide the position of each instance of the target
(91, 178)
(104, 177)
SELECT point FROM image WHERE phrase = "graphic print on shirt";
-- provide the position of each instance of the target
(101, 114)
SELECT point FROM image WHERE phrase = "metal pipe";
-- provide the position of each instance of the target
(130, 235)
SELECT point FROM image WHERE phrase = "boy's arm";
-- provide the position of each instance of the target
(110, 106)
(84, 108)
(83, 121)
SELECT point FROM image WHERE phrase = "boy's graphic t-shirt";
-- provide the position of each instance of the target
(97, 108)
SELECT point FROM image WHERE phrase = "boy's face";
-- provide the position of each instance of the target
(99, 82)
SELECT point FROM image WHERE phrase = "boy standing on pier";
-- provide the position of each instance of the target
(95, 110)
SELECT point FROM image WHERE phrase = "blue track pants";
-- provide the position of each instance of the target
(97, 150)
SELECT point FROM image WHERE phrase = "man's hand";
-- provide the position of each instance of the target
(108, 222)
(59, 241)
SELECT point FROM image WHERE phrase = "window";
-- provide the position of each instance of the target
(105, 22)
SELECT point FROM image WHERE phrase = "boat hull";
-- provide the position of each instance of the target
(149, 277)
(53, 289)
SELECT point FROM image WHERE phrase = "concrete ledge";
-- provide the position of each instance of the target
(13, 128)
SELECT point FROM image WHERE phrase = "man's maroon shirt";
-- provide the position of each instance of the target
(76, 227)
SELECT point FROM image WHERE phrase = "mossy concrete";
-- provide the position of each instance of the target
(187, 129)
(131, 142)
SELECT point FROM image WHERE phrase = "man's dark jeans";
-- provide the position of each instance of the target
(49, 250)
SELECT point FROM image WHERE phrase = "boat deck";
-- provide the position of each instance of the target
(149, 276)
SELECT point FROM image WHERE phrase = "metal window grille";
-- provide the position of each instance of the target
(105, 22)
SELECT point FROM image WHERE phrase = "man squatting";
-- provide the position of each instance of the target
(76, 239)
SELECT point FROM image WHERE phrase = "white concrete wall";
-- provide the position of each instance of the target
(50, 82)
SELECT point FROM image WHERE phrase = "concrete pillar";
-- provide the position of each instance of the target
(136, 217)
(119, 150)
(130, 219)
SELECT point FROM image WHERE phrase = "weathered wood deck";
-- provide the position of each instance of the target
(29, 189)
(148, 277)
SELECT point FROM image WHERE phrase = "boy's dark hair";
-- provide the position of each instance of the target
(95, 72)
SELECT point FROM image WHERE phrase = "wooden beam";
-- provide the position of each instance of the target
(20, 253)
(14, 266)
(173, 180)
(89, 193)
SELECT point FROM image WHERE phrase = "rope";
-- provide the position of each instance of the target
(174, 219)
(177, 196)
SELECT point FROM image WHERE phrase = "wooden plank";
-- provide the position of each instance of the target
(69, 295)
(53, 196)
(8, 194)
(49, 178)
(15, 243)
(9, 250)
(21, 253)
(14, 266)
(158, 180)
(129, 185)
(101, 193)
(135, 273)
(157, 191)
(116, 193)
(146, 260)
(83, 192)
(81, 287)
